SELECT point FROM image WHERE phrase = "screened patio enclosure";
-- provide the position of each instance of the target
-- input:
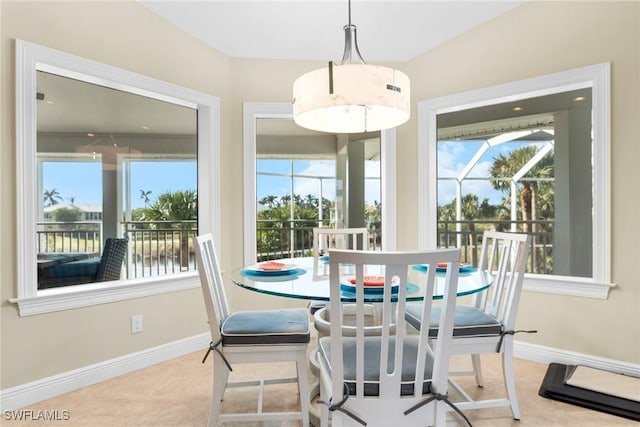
(521, 166)
(307, 179)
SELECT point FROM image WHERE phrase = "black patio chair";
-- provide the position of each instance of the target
(106, 268)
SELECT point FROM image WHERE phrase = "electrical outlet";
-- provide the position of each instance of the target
(136, 324)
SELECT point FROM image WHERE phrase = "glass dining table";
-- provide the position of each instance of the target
(295, 279)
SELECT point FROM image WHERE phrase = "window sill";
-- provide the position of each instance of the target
(564, 285)
(59, 299)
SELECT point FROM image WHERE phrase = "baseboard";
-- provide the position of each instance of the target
(546, 355)
(46, 388)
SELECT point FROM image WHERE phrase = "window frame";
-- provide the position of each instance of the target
(597, 77)
(31, 58)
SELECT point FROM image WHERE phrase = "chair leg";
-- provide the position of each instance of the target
(324, 410)
(220, 378)
(509, 377)
(477, 369)
(303, 387)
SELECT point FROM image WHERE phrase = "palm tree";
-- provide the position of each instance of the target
(179, 206)
(52, 197)
(144, 195)
(504, 168)
(269, 201)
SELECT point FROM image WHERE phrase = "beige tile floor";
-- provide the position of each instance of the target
(176, 393)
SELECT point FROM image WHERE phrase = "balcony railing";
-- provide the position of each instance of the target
(294, 238)
(80, 236)
(159, 248)
(470, 237)
(156, 248)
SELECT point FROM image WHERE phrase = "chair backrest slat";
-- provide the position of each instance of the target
(215, 297)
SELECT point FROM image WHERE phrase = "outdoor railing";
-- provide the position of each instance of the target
(155, 247)
(61, 236)
(158, 248)
(540, 250)
(165, 247)
(294, 238)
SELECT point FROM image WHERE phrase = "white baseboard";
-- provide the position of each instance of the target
(46, 388)
(546, 355)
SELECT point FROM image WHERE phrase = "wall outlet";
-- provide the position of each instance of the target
(136, 324)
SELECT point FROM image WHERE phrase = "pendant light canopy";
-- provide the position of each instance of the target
(351, 97)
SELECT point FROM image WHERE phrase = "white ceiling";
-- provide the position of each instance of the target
(313, 30)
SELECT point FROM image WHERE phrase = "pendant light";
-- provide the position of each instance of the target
(352, 96)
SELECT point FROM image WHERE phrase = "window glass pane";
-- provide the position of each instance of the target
(306, 179)
(112, 165)
(529, 173)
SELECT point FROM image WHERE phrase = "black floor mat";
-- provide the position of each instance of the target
(554, 387)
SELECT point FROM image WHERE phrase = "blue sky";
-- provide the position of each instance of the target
(279, 186)
(82, 180)
(453, 156)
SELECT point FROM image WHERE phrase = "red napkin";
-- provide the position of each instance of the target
(271, 266)
(370, 281)
(444, 265)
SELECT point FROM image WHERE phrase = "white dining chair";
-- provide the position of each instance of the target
(263, 336)
(488, 324)
(325, 239)
(392, 379)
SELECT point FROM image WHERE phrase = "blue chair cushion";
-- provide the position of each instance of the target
(372, 364)
(468, 322)
(81, 268)
(290, 326)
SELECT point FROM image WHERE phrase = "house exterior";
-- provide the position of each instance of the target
(534, 39)
(88, 212)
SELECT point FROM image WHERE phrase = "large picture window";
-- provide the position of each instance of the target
(106, 156)
(529, 157)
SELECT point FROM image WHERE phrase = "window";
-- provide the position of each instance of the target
(282, 162)
(99, 153)
(530, 156)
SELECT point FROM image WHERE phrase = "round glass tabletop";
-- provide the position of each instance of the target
(296, 280)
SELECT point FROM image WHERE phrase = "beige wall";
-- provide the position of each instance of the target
(538, 38)
(126, 35)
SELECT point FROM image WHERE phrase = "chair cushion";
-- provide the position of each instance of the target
(289, 326)
(372, 364)
(468, 322)
(84, 267)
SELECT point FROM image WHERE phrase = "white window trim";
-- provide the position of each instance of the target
(257, 110)
(31, 58)
(598, 78)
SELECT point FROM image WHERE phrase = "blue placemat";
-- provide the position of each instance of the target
(274, 274)
(462, 270)
(349, 291)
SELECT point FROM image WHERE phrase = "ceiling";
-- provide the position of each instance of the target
(302, 29)
(313, 30)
